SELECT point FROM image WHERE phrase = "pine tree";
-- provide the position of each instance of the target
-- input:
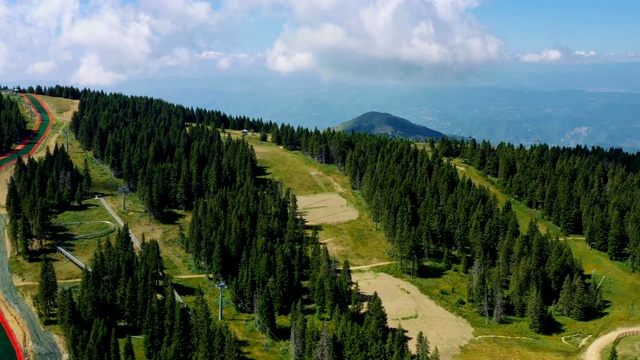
(435, 355)
(114, 347)
(128, 350)
(266, 318)
(323, 348)
(47, 290)
(566, 296)
(298, 326)
(537, 314)
(422, 347)
(579, 300)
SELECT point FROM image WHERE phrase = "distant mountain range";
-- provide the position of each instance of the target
(374, 122)
(512, 114)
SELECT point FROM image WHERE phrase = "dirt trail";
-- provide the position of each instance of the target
(193, 276)
(407, 306)
(596, 347)
(366, 267)
(19, 282)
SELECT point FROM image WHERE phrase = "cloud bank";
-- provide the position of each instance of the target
(401, 39)
(566, 55)
(100, 42)
(104, 42)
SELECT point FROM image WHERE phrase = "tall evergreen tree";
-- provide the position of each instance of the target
(47, 290)
(422, 347)
(128, 350)
(537, 313)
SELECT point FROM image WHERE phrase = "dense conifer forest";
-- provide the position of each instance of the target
(12, 125)
(244, 228)
(586, 191)
(426, 210)
(39, 189)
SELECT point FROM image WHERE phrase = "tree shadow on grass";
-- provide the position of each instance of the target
(432, 270)
(82, 207)
(261, 175)
(602, 311)
(553, 327)
(170, 217)
(184, 290)
(243, 344)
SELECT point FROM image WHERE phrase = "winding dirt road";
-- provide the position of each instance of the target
(596, 347)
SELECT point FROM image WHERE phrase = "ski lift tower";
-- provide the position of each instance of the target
(221, 285)
(124, 190)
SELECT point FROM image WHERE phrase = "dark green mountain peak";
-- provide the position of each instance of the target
(375, 122)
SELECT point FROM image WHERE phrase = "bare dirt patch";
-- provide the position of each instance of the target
(406, 305)
(66, 116)
(326, 209)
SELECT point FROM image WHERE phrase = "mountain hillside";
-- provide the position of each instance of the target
(375, 122)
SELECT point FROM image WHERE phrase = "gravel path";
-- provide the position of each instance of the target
(43, 342)
(596, 347)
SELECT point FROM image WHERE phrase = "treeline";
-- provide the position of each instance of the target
(67, 92)
(12, 124)
(425, 209)
(39, 189)
(586, 191)
(125, 294)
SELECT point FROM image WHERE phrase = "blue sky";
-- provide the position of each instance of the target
(109, 43)
(528, 26)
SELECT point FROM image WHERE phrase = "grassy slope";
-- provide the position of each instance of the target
(524, 214)
(356, 240)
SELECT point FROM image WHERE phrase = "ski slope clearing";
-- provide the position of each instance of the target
(326, 209)
(407, 306)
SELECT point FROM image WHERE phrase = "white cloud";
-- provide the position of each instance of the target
(383, 38)
(566, 55)
(585, 53)
(41, 68)
(123, 38)
(546, 55)
(92, 72)
(120, 38)
(224, 61)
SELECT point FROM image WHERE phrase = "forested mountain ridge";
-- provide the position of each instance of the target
(374, 122)
(426, 210)
(589, 191)
(243, 228)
